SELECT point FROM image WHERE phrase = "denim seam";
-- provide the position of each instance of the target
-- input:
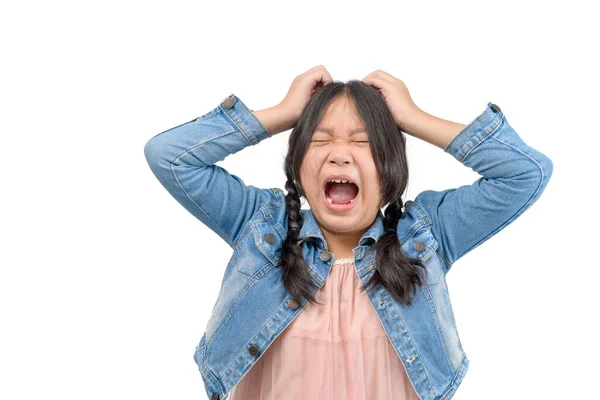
(172, 163)
(255, 117)
(447, 146)
(438, 327)
(235, 245)
(261, 328)
(250, 136)
(413, 341)
(453, 381)
(429, 223)
(483, 138)
(204, 357)
(249, 283)
(261, 124)
(248, 139)
(207, 115)
(446, 261)
(504, 223)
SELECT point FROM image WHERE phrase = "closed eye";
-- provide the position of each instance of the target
(355, 141)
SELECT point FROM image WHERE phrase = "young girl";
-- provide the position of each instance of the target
(341, 301)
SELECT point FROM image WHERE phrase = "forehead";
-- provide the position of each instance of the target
(341, 117)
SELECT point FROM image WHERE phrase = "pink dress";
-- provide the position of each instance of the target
(338, 350)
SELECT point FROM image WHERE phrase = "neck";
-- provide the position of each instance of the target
(342, 245)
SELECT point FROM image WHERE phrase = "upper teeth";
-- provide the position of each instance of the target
(340, 181)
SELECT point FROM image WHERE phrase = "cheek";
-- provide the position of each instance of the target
(309, 175)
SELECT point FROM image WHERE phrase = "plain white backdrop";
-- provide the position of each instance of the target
(107, 283)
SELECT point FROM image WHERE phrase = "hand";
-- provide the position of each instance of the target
(301, 91)
(396, 96)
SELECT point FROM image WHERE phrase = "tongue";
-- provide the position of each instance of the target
(341, 193)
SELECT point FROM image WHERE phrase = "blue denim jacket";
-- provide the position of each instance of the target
(438, 227)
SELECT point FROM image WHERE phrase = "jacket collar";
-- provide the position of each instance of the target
(310, 228)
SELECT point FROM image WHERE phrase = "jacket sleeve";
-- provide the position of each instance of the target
(182, 159)
(513, 177)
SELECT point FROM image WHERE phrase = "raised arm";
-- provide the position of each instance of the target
(182, 159)
(513, 177)
(513, 174)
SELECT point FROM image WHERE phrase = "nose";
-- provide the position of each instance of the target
(340, 153)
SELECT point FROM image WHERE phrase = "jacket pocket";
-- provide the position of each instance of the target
(260, 251)
(423, 245)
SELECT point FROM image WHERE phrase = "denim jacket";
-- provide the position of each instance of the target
(438, 227)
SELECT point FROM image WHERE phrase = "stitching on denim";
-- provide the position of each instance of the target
(252, 114)
(444, 257)
(412, 340)
(248, 139)
(422, 211)
(447, 147)
(172, 163)
(208, 114)
(235, 245)
(438, 325)
(505, 222)
(278, 310)
(483, 138)
(446, 261)
(199, 208)
(459, 372)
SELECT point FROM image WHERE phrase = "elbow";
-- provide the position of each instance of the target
(156, 158)
(542, 174)
(151, 153)
(546, 168)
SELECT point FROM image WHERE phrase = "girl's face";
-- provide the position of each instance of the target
(340, 146)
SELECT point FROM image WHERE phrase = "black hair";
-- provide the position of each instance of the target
(397, 272)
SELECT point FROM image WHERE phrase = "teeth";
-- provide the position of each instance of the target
(340, 181)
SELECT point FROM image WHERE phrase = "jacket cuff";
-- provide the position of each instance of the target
(475, 132)
(244, 118)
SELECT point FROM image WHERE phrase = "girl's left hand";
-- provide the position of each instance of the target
(396, 95)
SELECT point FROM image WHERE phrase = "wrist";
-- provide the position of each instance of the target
(275, 119)
(412, 122)
(434, 130)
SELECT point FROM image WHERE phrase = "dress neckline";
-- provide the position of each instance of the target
(343, 260)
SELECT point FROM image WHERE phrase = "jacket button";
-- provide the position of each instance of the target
(214, 396)
(419, 246)
(253, 350)
(228, 102)
(495, 108)
(269, 237)
(293, 304)
(325, 256)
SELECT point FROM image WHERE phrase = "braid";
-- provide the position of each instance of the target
(393, 213)
(292, 200)
(295, 274)
(395, 270)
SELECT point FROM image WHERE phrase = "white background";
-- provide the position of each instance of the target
(106, 282)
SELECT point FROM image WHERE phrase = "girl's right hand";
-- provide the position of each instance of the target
(301, 91)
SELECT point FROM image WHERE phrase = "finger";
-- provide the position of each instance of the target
(322, 75)
(377, 82)
(381, 76)
(329, 78)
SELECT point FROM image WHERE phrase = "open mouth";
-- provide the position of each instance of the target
(340, 194)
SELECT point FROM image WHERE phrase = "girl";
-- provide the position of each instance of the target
(341, 301)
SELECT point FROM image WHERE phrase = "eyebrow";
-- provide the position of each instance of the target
(330, 131)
